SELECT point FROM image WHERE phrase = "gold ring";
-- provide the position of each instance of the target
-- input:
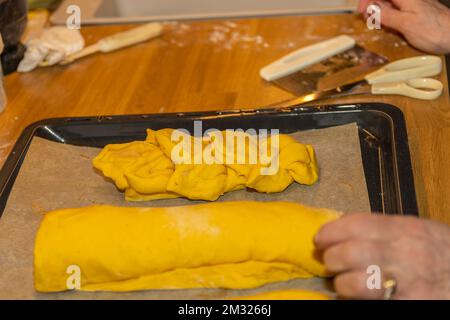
(390, 287)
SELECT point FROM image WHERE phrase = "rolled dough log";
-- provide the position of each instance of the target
(233, 245)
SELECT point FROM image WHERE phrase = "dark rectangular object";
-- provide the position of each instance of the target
(382, 132)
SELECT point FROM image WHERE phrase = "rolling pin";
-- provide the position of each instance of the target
(118, 41)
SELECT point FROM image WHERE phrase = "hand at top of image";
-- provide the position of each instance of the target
(424, 23)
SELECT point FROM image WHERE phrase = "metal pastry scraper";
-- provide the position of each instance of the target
(322, 66)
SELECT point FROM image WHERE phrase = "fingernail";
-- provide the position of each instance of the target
(317, 239)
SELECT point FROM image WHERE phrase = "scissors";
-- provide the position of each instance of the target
(405, 77)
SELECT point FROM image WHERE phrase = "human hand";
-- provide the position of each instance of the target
(413, 252)
(424, 23)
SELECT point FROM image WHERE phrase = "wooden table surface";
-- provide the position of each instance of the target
(208, 65)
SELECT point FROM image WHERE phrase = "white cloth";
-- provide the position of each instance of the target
(51, 47)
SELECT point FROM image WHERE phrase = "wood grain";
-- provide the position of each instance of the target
(206, 65)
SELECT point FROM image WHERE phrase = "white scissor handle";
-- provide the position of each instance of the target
(407, 69)
(421, 88)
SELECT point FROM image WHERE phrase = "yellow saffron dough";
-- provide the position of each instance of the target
(292, 294)
(234, 245)
(146, 170)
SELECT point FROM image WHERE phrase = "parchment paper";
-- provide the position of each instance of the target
(55, 176)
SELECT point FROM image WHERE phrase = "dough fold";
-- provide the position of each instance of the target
(233, 245)
(146, 170)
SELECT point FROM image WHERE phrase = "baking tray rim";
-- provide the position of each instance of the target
(400, 137)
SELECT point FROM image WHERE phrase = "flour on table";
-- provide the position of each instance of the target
(226, 35)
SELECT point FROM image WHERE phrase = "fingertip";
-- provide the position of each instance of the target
(325, 236)
(347, 285)
(317, 240)
(338, 230)
(328, 258)
(391, 17)
(339, 284)
(362, 5)
(321, 239)
(318, 243)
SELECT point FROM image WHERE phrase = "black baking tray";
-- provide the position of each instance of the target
(382, 132)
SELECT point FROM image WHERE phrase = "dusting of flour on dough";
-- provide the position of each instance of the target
(186, 222)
